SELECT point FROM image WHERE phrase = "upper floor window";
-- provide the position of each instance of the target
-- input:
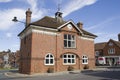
(69, 41)
(84, 59)
(110, 44)
(69, 59)
(97, 53)
(111, 51)
(49, 59)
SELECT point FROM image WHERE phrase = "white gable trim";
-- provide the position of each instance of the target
(73, 24)
(39, 27)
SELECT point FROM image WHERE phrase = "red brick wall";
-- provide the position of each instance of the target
(107, 47)
(40, 44)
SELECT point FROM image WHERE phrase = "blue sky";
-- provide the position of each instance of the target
(101, 17)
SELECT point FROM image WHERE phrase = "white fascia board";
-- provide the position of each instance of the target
(72, 23)
(35, 29)
(88, 36)
(39, 27)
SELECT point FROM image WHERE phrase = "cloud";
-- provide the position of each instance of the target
(8, 14)
(6, 17)
(104, 36)
(9, 35)
(74, 5)
(36, 12)
(5, 0)
(101, 24)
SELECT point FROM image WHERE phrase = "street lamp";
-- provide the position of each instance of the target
(16, 20)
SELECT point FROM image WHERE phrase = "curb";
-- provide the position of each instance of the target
(12, 74)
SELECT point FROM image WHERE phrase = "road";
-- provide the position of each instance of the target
(87, 75)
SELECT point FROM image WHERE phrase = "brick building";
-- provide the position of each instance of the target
(52, 44)
(9, 59)
(108, 53)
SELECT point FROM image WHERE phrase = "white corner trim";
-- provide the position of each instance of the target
(44, 32)
(86, 38)
(39, 27)
(33, 30)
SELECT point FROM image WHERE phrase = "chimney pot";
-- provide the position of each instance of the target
(119, 37)
(80, 25)
(28, 17)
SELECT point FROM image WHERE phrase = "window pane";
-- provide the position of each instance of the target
(47, 56)
(73, 61)
(65, 36)
(69, 60)
(47, 61)
(73, 37)
(69, 43)
(73, 44)
(65, 60)
(51, 61)
(65, 43)
(69, 37)
(69, 56)
(83, 61)
(51, 56)
(72, 56)
(65, 56)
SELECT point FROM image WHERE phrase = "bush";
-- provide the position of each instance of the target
(50, 70)
(70, 68)
(86, 67)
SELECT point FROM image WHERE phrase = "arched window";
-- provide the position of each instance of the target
(49, 59)
(84, 59)
(69, 59)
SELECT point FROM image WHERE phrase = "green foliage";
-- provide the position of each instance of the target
(50, 70)
(70, 68)
(86, 67)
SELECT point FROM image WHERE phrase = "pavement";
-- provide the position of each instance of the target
(16, 74)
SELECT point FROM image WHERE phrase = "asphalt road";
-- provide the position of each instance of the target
(87, 75)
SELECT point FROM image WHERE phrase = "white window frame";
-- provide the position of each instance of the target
(70, 40)
(97, 53)
(111, 51)
(85, 58)
(69, 57)
(49, 58)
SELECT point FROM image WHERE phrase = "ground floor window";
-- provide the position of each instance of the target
(84, 59)
(49, 59)
(69, 59)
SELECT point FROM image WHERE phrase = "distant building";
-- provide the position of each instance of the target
(9, 59)
(108, 53)
(54, 45)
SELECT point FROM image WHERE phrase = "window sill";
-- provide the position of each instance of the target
(69, 64)
(69, 48)
(49, 64)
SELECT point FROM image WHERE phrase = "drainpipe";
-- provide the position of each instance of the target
(56, 54)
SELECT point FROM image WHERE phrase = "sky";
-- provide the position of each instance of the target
(100, 17)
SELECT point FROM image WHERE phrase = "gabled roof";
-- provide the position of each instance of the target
(52, 23)
(115, 42)
(100, 46)
(48, 22)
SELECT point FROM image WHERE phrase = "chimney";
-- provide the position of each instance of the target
(58, 16)
(28, 17)
(119, 37)
(80, 25)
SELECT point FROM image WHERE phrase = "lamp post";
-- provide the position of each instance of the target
(16, 20)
